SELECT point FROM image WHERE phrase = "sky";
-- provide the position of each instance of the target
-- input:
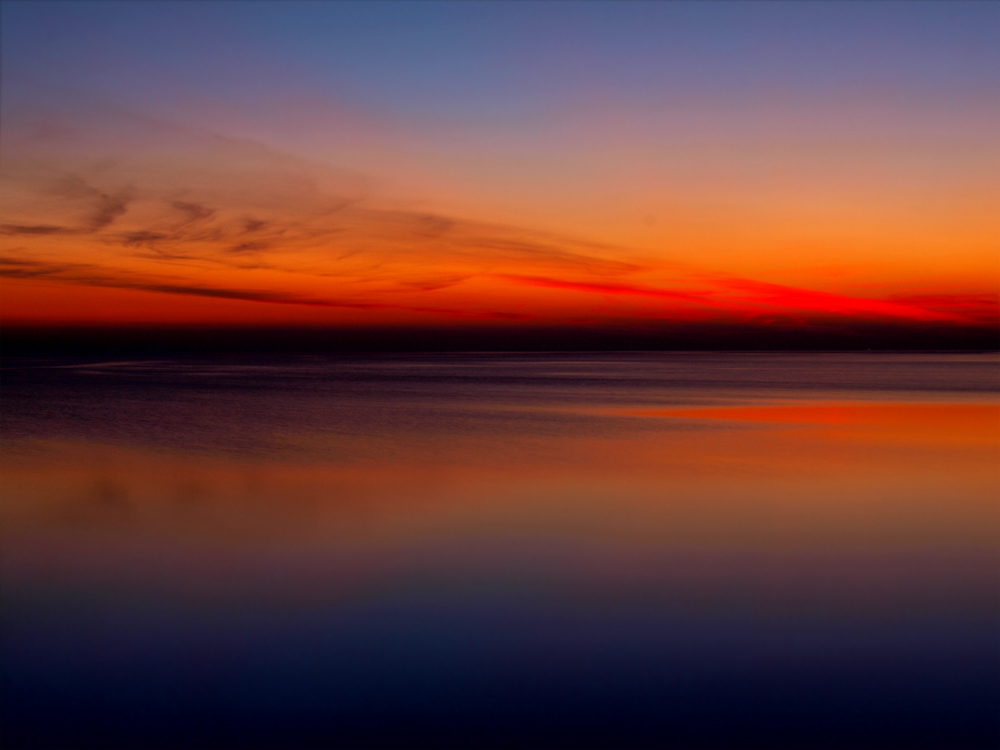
(508, 164)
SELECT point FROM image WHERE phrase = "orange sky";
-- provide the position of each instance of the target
(236, 232)
(594, 204)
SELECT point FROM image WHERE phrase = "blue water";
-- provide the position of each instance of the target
(500, 551)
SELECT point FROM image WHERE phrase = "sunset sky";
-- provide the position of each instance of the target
(771, 164)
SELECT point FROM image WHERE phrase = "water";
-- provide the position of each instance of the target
(572, 550)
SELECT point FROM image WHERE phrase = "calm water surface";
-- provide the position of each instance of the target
(606, 550)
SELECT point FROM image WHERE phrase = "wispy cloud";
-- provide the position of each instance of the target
(806, 300)
(605, 288)
(96, 276)
(38, 229)
(757, 300)
(978, 308)
(104, 207)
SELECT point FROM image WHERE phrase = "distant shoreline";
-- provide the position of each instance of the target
(95, 340)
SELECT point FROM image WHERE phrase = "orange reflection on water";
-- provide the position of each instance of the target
(975, 421)
(789, 474)
(788, 503)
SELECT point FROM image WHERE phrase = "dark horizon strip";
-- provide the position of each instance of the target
(169, 340)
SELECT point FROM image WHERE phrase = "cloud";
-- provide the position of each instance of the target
(604, 288)
(27, 269)
(105, 206)
(245, 247)
(40, 229)
(193, 211)
(433, 284)
(977, 308)
(429, 226)
(765, 303)
(805, 300)
(109, 208)
(251, 225)
(143, 238)
(132, 189)
(96, 276)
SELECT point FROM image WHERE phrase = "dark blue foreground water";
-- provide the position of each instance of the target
(650, 550)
